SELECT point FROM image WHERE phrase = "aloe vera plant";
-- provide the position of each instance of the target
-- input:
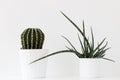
(88, 49)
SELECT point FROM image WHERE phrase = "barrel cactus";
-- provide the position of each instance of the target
(32, 38)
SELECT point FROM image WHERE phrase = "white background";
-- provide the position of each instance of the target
(16, 15)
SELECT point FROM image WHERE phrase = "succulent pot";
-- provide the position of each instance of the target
(35, 70)
(90, 67)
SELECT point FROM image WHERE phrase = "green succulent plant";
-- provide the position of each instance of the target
(88, 49)
(32, 38)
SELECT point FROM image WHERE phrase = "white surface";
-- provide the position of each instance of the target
(16, 15)
(75, 78)
(70, 78)
(84, 79)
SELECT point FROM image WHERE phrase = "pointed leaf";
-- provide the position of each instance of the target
(99, 45)
(108, 59)
(77, 28)
(69, 43)
(81, 43)
(62, 51)
(92, 44)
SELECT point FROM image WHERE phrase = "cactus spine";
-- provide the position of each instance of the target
(32, 38)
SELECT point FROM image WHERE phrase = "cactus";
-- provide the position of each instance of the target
(32, 38)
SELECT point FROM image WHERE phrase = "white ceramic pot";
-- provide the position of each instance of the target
(35, 70)
(90, 67)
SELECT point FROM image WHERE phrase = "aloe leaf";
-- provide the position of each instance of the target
(84, 35)
(96, 55)
(85, 50)
(77, 28)
(92, 44)
(77, 53)
(103, 46)
(62, 51)
(103, 51)
(99, 45)
(69, 43)
(108, 59)
(100, 53)
(84, 41)
(81, 43)
(83, 27)
(68, 48)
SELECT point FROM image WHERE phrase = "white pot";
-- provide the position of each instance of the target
(35, 70)
(90, 67)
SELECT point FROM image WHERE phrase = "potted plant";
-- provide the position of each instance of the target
(90, 55)
(32, 40)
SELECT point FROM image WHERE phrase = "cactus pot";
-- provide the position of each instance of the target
(90, 67)
(35, 70)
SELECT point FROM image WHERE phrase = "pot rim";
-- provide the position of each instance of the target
(90, 58)
(33, 49)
